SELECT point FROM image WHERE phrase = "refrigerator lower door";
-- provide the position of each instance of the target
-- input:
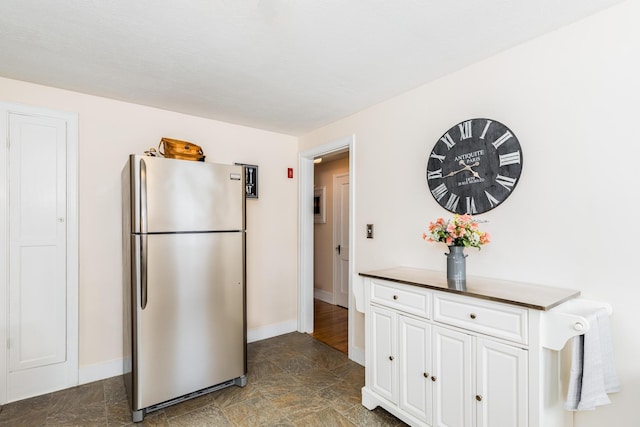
(190, 334)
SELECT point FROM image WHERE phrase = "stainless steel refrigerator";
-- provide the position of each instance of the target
(184, 280)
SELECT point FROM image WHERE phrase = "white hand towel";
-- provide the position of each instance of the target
(593, 373)
(575, 375)
(611, 382)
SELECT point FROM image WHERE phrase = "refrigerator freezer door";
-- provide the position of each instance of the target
(181, 196)
(190, 335)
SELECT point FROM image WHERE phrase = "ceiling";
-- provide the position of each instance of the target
(288, 66)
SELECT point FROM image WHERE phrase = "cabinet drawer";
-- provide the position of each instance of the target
(491, 318)
(410, 299)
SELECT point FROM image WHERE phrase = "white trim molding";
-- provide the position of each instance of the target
(270, 331)
(100, 371)
(305, 232)
(322, 295)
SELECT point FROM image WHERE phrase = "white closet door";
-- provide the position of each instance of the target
(37, 332)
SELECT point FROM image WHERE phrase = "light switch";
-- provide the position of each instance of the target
(369, 231)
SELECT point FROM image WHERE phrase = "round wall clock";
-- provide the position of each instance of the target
(474, 166)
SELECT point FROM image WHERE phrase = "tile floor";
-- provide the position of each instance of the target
(293, 380)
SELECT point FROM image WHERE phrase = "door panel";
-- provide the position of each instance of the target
(385, 364)
(37, 242)
(502, 385)
(191, 331)
(38, 310)
(453, 374)
(39, 325)
(341, 233)
(416, 396)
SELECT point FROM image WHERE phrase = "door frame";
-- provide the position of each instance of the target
(71, 234)
(305, 236)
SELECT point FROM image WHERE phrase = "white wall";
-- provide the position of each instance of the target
(573, 99)
(109, 132)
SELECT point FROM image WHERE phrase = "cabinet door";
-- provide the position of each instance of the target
(451, 377)
(415, 368)
(501, 385)
(384, 353)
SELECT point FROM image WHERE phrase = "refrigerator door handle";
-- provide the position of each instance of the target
(143, 196)
(143, 271)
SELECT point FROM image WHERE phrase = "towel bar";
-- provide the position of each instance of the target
(568, 320)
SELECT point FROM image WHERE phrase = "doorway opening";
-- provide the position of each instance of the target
(306, 221)
(331, 249)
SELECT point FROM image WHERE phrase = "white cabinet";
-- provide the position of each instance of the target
(452, 378)
(489, 356)
(415, 364)
(501, 384)
(384, 344)
(456, 369)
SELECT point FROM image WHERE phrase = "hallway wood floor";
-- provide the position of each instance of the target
(330, 325)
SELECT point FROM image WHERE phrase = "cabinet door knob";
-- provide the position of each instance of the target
(391, 358)
(472, 315)
(433, 379)
(395, 297)
(426, 375)
(478, 398)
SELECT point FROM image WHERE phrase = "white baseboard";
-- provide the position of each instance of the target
(100, 371)
(270, 331)
(357, 355)
(323, 295)
(111, 368)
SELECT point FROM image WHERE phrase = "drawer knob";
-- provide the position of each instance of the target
(478, 398)
(395, 297)
(472, 315)
(426, 375)
(391, 358)
(433, 379)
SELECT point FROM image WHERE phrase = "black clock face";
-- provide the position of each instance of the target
(474, 166)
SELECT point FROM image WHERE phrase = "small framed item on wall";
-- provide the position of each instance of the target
(319, 211)
(250, 180)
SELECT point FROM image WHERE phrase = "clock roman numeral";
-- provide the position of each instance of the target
(471, 206)
(434, 174)
(439, 191)
(437, 156)
(492, 200)
(452, 203)
(486, 128)
(498, 142)
(448, 141)
(510, 158)
(506, 181)
(465, 130)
